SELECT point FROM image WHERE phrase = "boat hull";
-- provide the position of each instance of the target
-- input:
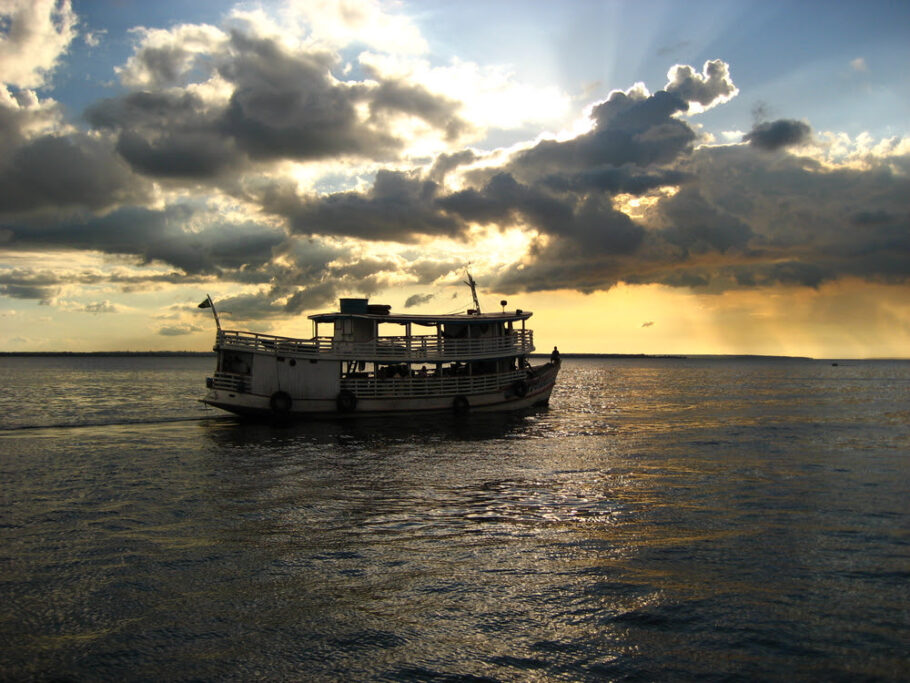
(536, 391)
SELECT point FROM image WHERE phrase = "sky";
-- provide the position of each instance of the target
(705, 177)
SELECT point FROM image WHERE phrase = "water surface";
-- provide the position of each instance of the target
(663, 519)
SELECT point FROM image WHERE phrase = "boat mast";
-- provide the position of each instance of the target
(473, 285)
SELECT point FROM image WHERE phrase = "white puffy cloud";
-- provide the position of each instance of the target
(37, 33)
(164, 56)
(335, 24)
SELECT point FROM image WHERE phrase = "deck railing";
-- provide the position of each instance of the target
(415, 387)
(419, 348)
(229, 381)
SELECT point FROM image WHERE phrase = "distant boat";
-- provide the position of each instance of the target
(465, 362)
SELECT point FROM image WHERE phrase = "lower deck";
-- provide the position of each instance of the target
(247, 393)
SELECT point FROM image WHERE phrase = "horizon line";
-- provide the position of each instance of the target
(566, 354)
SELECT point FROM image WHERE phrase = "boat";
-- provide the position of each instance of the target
(458, 362)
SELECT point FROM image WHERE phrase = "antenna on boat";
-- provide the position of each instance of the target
(473, 285)
(208, 303)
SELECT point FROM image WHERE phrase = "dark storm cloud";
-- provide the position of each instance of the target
(39, 292)
(179, 155)
(697, 225)
(283, 105)
(503, 197)
(591, 221)
(612, 179)
(711, 219)
(145, 109)
(745, 219)
(873, 218)
(398, 206)
(629, 129)
(397, 97)
(426, 271)
(448, 162)
(32, 283)
(778, 134)
(278, 302)
(564, 189)
(599, 227)
(312, 297)
(167, 135)
(16, 119)
(65, 172)
(156, 236)
(286, 106)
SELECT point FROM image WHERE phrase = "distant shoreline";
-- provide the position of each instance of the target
(612, 356)
(139, 354)
(113, 354)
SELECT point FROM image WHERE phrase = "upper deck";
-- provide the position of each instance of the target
(427, 320)
(365, 332)
(408, 348)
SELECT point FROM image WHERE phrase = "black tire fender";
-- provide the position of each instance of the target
(520, 388)
(280, 403)
(346, 401)
(460, 405)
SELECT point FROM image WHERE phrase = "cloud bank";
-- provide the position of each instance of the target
(280, 164)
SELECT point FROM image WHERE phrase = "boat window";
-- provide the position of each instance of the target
(237, 362)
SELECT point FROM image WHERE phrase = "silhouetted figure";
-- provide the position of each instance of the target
(554, 357)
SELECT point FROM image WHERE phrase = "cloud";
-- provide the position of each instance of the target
(36, 33)
(417, 300)
(337, 24)
(165, 57)
(650, 323)
(401, 98)
(705, 90)
(859, 64)
(267, 155)
(178, 330)
(778, 134)
(256, 100)
(696, 224)
(101, 307)
(629, 128)
(25, 283)
(72, 171)
(398, 206)
(22, 291)
(157, 236)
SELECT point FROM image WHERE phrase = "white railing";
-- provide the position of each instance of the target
(415, 348)
(229, 381)
(253, 341)
(415, 387)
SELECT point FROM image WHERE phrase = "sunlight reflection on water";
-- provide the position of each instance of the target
(662, 518)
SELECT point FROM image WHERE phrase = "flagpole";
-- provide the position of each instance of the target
(208, 303)
(215, 313)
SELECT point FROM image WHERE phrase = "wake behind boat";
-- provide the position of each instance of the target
(459, 362)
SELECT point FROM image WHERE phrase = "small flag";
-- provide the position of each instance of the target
(206, 304)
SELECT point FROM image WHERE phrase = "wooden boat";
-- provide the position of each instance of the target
(459, 362)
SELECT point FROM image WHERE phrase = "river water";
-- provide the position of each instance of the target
(664, 519)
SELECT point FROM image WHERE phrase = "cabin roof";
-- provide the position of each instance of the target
(403, 319)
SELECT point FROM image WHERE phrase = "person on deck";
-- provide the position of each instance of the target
(554, 357)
